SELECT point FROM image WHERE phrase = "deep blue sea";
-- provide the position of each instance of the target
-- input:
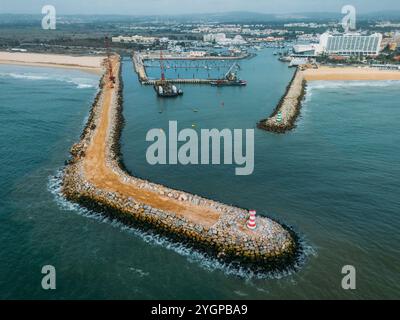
(334, 179)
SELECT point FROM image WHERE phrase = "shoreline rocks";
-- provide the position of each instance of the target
(270, 247)
(284, 116)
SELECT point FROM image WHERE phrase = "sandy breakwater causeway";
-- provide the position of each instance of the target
(95, 178)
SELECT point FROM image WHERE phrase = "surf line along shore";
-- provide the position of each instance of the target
(284, 116)
(95, 178)
(91, 64)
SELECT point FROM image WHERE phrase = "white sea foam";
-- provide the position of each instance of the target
(347, 84)
(240, 293)
(192, 255)
(22, 76)
(79, 82)
(140, 272)
(320, 85)
(84, 86)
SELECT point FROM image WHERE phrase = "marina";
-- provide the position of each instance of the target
(135, 164)
(216, 72)
(340, 149)
(94, 178)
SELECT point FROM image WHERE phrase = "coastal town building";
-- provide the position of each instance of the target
(221, 39)
(391, 41)
(134, 39)
(197, 54)
(349, 44)
(237, 40)
(214, 37)
(305, 49)
(268, 39)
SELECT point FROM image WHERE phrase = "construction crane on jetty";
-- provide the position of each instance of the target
(163, 88)
(111, 76)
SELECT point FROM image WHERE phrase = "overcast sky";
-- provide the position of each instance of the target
(159, 7)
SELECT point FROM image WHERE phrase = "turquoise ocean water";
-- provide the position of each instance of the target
(335, 179)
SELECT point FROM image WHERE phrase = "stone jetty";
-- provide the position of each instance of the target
(284, 116)
(139, 67)
(95, 178)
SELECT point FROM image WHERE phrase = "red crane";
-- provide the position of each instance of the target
(162, 66)
(109, 64)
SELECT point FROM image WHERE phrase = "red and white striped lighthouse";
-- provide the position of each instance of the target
(251, 223)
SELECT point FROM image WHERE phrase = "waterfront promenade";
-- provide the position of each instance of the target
(95, 178)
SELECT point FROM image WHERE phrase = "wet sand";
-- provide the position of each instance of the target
(92, 64)
(284, 116)
(350, 73)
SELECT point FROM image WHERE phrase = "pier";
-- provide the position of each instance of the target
(140, 68)
(181, 81)
(95, 178)
(184, 56)
(284, 116)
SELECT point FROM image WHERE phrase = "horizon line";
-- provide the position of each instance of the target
(202, 13)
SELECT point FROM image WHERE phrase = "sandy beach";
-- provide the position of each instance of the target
(91, 64)
(285, 114)
(350, 73)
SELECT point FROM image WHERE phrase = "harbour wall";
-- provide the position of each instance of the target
(182, 81)
(270, 247)
(284, 116)
(156, 56)
(139, 67)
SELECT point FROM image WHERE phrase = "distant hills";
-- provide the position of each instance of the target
(238, 17)
(263, 17)
(259, 17)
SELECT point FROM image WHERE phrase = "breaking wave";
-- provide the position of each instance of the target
(193, 255)
(332, 85)
(79, 82)
(348, 84)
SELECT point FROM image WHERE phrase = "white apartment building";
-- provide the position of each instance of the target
(349, 44)
(220, 38)
(217, 37)
(197, 54)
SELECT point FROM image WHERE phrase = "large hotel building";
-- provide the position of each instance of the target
(349, 44)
